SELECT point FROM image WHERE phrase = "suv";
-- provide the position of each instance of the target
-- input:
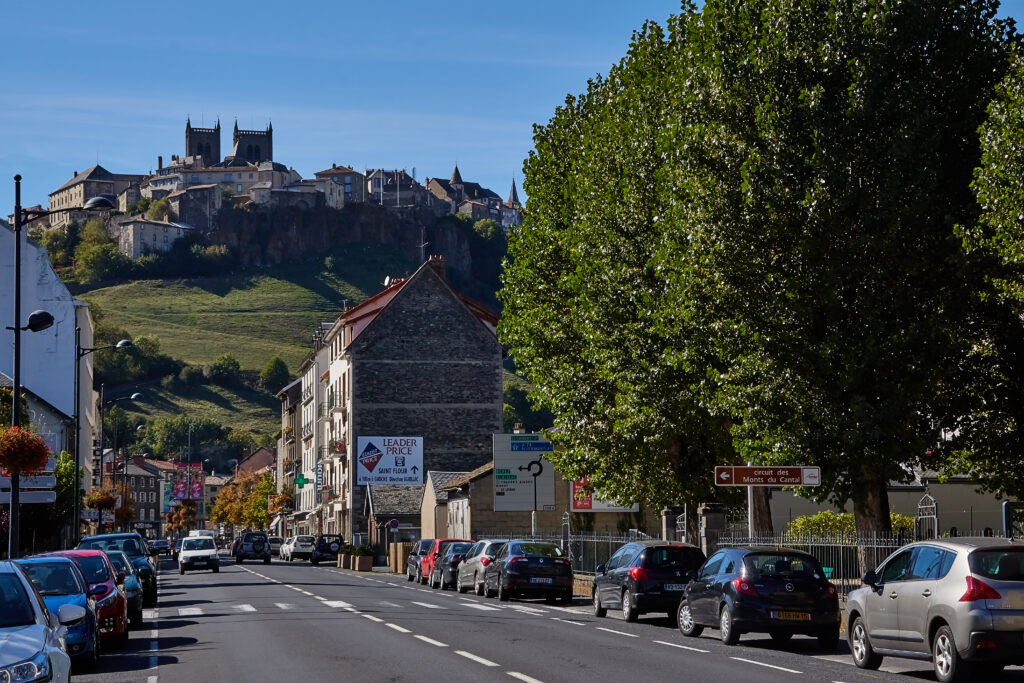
(254, 546)
(325, 548)
(955, 601)
(647, 576)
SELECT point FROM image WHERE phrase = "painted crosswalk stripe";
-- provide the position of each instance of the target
(189, 612)
(245, 608)
(478, 660)
(285, 605)
(428, 605)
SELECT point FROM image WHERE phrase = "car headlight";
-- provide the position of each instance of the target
(104, 602)
(35, 669)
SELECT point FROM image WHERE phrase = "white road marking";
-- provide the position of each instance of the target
(189, 612)
(681, 647)
(319, 598)
(285, 605)
(486, 608)
(373, 618)
(337, 603)
(478, 660)
(385, 603)
(398, 628)
(431, 641)
(353, 610)
(428, 605)
(770, 666)
(522, 677)
(245, 608)
(528, 610)
(569, 621)
(154, 646)
(149, 614)
(305, 592)
(619, 633)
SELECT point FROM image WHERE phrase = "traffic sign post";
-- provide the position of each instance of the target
(752, 475)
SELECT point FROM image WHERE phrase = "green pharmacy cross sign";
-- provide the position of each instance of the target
(301, 481)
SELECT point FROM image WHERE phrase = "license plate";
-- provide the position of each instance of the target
(539, 579)
(792, 616)
(199, 562)
(674, 587)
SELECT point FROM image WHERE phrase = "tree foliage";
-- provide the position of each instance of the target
(274, 375)
(831, 523)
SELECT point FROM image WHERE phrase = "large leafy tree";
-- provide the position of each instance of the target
(748, 228)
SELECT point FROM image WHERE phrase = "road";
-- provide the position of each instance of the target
(295, 622)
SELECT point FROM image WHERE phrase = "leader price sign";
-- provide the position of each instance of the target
(394, 460)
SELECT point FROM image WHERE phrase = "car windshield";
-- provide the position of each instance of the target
(120, 562)
(674, 557)
(130, 546)
(1001, 565)
(536, 550)
(780, 565)
(253, 538)
(15, 609)
(54, 578)
(425, 545)
(459, 548)
(93, 568)
(199, 544)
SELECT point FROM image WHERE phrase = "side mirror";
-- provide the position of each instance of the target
(120, 577)
(870, 578)
(69, 615)
(600, 569)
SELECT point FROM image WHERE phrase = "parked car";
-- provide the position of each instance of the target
(160, 546)
(428, 559)
(765, 590)
(33, 648)
(111, 603)
(254, 546)
(645, 576)
(275, 545)
(134, 546)
(297, 548)
(326, 547)
(446, 567)
(198, 552)
(531, 569)
(60, 582)
(470, 573)
(128, 582)
(412, 561)
(177, 548)
(955, 601)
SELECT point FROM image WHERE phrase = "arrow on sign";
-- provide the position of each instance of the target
(725, 474)
(414, 469)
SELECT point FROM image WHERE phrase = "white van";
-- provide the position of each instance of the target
(201, 532)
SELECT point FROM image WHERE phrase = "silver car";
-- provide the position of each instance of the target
(958, 602)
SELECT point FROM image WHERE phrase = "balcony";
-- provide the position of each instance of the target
(307, 394)
(307, 430)
(323, 453)
(325, 410)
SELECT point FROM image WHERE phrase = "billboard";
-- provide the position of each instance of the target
(393, 460)
(189, 482)
(523, 478)
(588, 502)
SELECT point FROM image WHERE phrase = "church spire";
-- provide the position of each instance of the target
(456, 176)
(513, 196)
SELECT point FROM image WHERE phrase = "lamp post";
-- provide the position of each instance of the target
(80, 353)
(38, 320)
(103, 404)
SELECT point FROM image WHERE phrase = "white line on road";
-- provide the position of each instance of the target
(245, 608)
(681, 647)
(190, 612)
(353, 610)
(478, 660)
(522, 677)
(285, 605)
(319, 598)
(529, 610)
(385, 603)
(569, 621)
(373, 618)
(337, 603)
(428, 605)
(770, 666)
(618, 633)
(431, 641)
(154, 646)
(486, 608)
(398, 628)
(305, 592)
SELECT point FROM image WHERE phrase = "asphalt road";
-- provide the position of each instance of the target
(294, 622)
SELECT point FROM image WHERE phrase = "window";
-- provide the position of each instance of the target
(897, 567)
(710, 568)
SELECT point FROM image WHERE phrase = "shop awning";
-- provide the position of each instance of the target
(275, 522)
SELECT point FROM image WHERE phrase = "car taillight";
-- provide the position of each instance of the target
(638, 573)
(484, 561)
(830, 590)
(979, 590)
(744, 587)
(518, 558)
(563, 560)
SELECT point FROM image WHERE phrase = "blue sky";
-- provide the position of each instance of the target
(381, 84)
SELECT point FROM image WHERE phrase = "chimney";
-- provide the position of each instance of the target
(76, 174)
(436, 263)
(159, 163)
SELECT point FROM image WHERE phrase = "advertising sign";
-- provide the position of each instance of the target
(588, 502)
(523, 478)
(394, 460)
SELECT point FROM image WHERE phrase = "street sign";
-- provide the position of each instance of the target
(523, 478)
(46, 481)
(753, 475)
(30, 497)
(393, 524)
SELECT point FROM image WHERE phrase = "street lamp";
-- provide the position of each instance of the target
(80, 353)
(103, 404)
(38, 320)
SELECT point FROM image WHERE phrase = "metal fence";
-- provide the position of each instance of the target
(586, 551)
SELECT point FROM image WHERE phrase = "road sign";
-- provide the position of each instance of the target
(30, 497)
(523, 478)
(393, 524)
(753, 475)
(46, 481)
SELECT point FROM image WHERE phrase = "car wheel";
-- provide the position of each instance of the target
(459, 586)
(408, 574)
(864, 655)
(502, 592)
(599, 611)
(423, 579)
(828, 639)
(726, 629)
(479, 585)
(216, 569)
(435, 584)
(948, 664)
(567, 597)
(629, 612)
(780, 636)
(266, 560)
(687, 626)
(181, 569)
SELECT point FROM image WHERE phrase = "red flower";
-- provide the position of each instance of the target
(22, 452)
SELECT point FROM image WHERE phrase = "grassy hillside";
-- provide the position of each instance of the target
(238, 408)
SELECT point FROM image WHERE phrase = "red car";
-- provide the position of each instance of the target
(111, 603)
(427, 561)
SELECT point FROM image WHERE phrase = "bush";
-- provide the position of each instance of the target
(158, 210)
(831, 523)
(274, 375)
(225, 371)
(192, 376)
(172, 383)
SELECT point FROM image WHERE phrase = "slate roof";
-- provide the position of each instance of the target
(471, 476)
(440, 481)
(395, 500)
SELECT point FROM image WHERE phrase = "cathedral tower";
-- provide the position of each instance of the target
(203, 142)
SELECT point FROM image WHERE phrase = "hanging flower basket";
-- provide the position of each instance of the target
(100, 500)
(22, 452)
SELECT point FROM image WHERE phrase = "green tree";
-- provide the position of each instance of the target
(97, 262)
(158, 209)
(274, 375)
(226, 370)
(6, 418)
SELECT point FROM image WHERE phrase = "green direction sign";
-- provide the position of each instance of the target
(301, 481)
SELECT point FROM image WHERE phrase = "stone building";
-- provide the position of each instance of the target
(418, 359)
(455, 191)
(196, 205)
(94, 181)
(352, 182)
(139, 236)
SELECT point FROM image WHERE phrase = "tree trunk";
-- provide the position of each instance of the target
(762, 511)
(871, 517)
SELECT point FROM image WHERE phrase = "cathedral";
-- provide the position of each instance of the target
(248, 146)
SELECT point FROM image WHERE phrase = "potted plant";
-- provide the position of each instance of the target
(363, 558)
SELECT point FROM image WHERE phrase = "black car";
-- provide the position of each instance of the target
(412, 562)
(764, 590)
(254, 545)
(645, 576)
(326, 547)
(134, 546)
(470, 574)
(530, 569)
(446, 565)
(177, 548)
(160, 545)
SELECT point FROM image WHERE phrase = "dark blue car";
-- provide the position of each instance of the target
(134, 546)
(60, 582)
